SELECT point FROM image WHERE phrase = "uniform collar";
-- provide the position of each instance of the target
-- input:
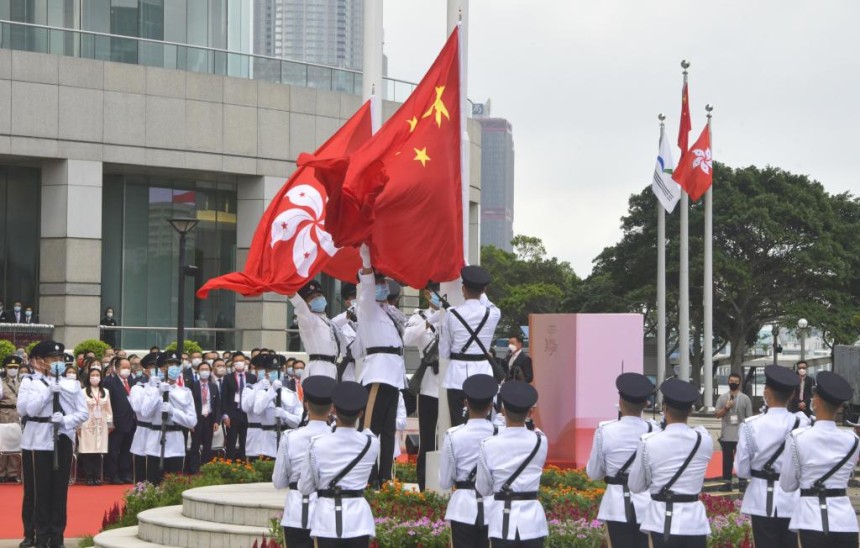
(630, 418)
(477, 421)
(777, 411)
(317, 423)
(829, 425)
(676, 426)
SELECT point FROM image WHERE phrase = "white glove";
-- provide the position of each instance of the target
(167, 408)
(280, 414)
(56, 388)
(153, 381)
(277, 385)
(57, 418)
(164, 387)
(264, 384)
(364, 252)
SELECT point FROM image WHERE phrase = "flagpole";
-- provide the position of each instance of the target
(708, 285)
(684, 281)
(371, 84)
(661, 284)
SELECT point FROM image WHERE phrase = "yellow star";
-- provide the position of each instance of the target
(421, 156)
(438, 106)
(412, 123)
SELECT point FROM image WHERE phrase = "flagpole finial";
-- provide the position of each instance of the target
(460, 14)
(685, 65)
(373, 89)
(662, 118)
(709, 108)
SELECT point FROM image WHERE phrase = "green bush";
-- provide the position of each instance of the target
(29, 347)
(92, 345)
(6, 348)
(189, 347)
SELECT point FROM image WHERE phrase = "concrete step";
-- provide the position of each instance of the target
(168, 527)
(250, 504)
(122, 538)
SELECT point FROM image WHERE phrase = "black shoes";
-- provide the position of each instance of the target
(28, 542)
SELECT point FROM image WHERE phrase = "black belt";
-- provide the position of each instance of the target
(674, 497)
(144, 424)
(615, 480)
(525, 495)
(465, 484)
(396, 350)
(170, 428)
(43, 420)
(468, 357)
(470, 486)
(321, 358)
(629, 510)
(771, 477)
(268, 427)
(7, 406)
(826, 493)
(306, 501)
(342, 493)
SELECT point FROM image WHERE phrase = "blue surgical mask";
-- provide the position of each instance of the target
(434, 300)
(58, 368)
(290, 372)
(317, 304)
(274, 375)
(173, 372)
(381, 293)
(155, 372)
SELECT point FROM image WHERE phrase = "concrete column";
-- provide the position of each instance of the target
(70, 254)
(263, 319)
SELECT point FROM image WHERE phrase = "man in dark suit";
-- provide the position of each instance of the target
(118, 465)
(29, 317)
(518, 364)
(802, 400)
(5, 315)
(207, 404)
(17, 314)
(232, 415)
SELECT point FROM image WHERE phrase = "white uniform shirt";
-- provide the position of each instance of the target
(319, 336)
(291, 460)
(258, 402)
(184, 415)
(809, 454)
(658, 457)
(36, 399)
(139, 393)
(377, 328)
(499, 458)
(328, 456)
(454, 336)
(614, 443)
(758, 440)
(348, 330)
(417, 334)
(458, 458)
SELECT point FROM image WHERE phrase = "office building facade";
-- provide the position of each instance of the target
(497, 182)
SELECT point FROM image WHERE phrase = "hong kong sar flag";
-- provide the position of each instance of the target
(695, 171)
(291, 244)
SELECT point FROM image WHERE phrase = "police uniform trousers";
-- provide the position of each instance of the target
(428, 416)
(517, 543)
(817, 539)
(354, 542)
(469, 536)
(622, 534)
(201, 443)
(298, 538)
(455, 406)
(678, 541)
(237, 431)
(772, 532)
(118, 461)
(141, 463)
(46, 493)
(381, 410)
(172, 465)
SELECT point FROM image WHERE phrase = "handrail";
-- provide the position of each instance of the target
(172, 329)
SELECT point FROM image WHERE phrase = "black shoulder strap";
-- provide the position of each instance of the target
(397, 326)
(518, 471)
(629, 461)
(684, 466)
(432, 328)
(473, 335)
(333, 483)
(769, 464)
(820, 482)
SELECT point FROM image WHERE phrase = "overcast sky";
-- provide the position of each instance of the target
(582, 83)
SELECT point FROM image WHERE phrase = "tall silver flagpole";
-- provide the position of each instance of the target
(661, 283)
(371, 83)
(708, 286)
(684, 282)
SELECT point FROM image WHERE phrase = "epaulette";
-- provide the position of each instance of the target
(604, 423)
(455, 428)
(649, 435)
(753, 418)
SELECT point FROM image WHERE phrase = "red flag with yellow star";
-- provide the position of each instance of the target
(400, 192)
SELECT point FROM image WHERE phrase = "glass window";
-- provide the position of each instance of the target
(19, 235)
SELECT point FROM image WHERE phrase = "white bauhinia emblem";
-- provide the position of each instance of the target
(702, 160)
(298, 223)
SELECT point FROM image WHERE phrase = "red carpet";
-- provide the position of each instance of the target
(86, 509)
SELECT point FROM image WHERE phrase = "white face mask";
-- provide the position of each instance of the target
(205, 375)
(220, 371)
(196, 361)
(124, 373)
(72, 376)
(239, 366)
(299, 372)
(95, 381)
(801, 372)
(512, 348)
(12, 372)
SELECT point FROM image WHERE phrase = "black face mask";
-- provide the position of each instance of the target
(733, 386)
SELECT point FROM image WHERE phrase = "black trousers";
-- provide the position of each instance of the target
(729, 448)
(354, 542)
(428, 417)
(464, 535)
(817, 539)
(200, 451)
(140, 465)
(118, 463)
(679, 541)
(772, 532)
(622, 534)
(530, 543)
(92, 464)
(46, 493)
(455, 406)
(298, 538)
(172, 465)
(238, 431)
(381, 412)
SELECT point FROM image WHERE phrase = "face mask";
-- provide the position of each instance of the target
(205, 375)
(12, 372)
(318, 304)
(95, 381)
(435, 301)
(109, 314)
(28, 313)
(291, 372)
(138, 374)
(124, 373)
(17, 309)
(72, 376)
(239, 366)
(220, 371)
(298, 373)
(173, 372)
(58, 368)
(155, 372)
(801, 372)
(274, 375)
(512, 348)
(186, 364)
(196, 361)
(381, 292)
(734, 386)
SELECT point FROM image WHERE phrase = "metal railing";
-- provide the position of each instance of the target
(172, 55)
(22, 334)
(209, 338)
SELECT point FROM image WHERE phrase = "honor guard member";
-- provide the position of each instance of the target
(819, 460)
(467, 334)
(467, 511)
(321, 338)
(422, 332)
(139, 394)
(265, 416)
(9, 413)
(172, 407)
(671, 464)
(612, 454)
(509, 471)
(761, 443)
(384, 372)
(338, 468)
(292, 457)
(51, 408)
(347, 322)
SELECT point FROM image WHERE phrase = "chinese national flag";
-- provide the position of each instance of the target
(695, 171)
(401, 192)
(291, 244)
(686, 125)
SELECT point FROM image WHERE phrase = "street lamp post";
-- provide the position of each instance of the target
(182, 225)
(802, 324)
(775, 332)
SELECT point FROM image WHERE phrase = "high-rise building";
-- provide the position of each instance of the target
(497, 182)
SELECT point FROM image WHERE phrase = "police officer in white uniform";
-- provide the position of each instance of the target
(761, 443)
(819, 460)
(384, 372)
(347, 322)
(338, 468)
(259, 402)
(170, 405)
(292, 458)
(467, 335)
(140, 393)
(467, 511)
(51, 408)
(321, 338)
(671, 465)
(509, 471)
(612, 454)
